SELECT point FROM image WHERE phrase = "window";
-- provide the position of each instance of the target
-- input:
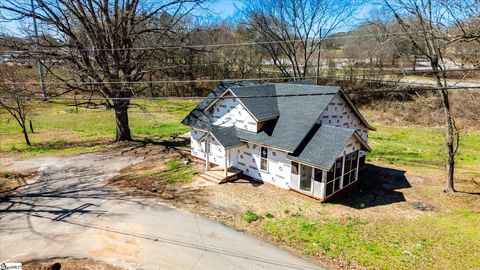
(294, 168)
(264, 159)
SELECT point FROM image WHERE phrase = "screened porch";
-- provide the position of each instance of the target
(321, 183)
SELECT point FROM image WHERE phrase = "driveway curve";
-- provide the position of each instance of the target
(71, 211)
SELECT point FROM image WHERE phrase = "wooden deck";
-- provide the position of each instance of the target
(217, 174)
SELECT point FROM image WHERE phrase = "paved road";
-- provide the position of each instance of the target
(71, 212)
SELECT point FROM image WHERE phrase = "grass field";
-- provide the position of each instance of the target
(388, 236)
(423, 149)
(438, 241)
(59, 130)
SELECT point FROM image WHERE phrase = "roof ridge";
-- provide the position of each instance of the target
(307, 85)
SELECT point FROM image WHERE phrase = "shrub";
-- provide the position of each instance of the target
(251, 216)
(174, 164)
(269, 215)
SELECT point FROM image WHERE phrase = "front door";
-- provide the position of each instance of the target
(305, 178)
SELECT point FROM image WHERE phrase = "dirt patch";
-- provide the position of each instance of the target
(166, 172)
(11, 180)
(69, 264)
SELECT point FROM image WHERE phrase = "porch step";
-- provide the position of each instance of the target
(217, 175)
(211, 177)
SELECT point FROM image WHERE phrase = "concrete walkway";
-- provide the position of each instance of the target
(70, 211)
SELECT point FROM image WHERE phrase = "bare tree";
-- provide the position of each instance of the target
(292, 30)
(464, 18)
(424, 24)
(93, 41)
(13, 89)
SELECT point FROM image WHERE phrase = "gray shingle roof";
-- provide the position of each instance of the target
(261, 108)
(324, 147)
(198, 118)
(226, 136)
(297, 116)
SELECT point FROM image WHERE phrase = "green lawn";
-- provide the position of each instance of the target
(439, 241)
(59, 130)
(175, 172)
(423, 148)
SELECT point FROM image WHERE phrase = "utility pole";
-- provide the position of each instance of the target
(317, 77)
(41, 72)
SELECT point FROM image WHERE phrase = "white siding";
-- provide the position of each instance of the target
(351, 146)
(217, 153)
(247, 159)
(197, 149)
(229, 112)
(339, 114)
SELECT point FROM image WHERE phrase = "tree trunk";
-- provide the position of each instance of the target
(31, 126)
(449, 186)
(25, 134)
(121, 121)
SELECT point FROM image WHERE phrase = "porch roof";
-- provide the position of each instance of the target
(226, 136)
(325, 146)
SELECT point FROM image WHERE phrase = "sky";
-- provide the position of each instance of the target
(223, 9)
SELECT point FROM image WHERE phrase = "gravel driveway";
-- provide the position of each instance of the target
(70, 211)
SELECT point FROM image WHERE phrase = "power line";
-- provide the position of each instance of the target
(182, 46)
(471, 88)
(226, 80)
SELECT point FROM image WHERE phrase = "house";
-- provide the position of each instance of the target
(298, 136)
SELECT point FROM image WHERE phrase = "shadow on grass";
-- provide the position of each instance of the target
(173, 143)
(376, 186)
(248, 180)
(57, 145)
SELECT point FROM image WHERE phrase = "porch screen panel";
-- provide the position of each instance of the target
(351, 172)
(333, 177)
(305, 178)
